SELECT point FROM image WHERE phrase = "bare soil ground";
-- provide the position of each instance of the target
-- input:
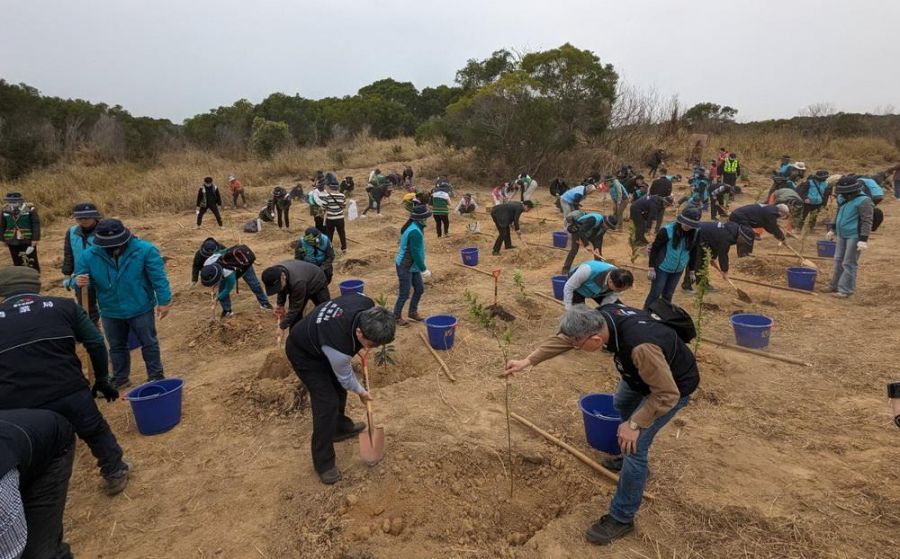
(769, 460)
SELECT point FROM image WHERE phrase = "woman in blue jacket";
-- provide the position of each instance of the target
(670, 254)
(410, 262)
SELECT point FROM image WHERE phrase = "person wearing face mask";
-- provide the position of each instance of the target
(20, 229)
(79, 238)
(129, 276)
(670, 254)
(209, 198)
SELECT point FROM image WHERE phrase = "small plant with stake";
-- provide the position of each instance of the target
(519, 281)
(700, 292)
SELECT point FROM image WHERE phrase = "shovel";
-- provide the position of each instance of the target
(371, 442)
(496, 274)
(83, 301)
(805, 262)
(742, 295)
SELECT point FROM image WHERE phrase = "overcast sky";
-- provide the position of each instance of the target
(177, 58)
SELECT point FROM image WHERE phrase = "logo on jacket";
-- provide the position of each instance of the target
(329, 311)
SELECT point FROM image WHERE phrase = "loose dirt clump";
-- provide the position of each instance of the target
(497, 311)
(276, 366)
(352, 264)
(272, 397)
(228, 335)
(761, 268)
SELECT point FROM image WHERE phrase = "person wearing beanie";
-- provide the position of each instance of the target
(224, 267)
(129, 276)
(335, 204)
(315, 247)
(597, 280)
(850, 230)
(20, 229)
(645, 212)
(79, 238)
(207, 248)
(762, 217)
(237, 191)
(586, 228)
(209, 198)
(42, 370)
(295, 283)
(718, 238)
(507, 215)
(440, 208)
(410, 264)
(670, 254)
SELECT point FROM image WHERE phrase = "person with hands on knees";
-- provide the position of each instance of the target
(209, 198)
(41, 369)
(320, 349)
(130, 278)
(597, 280)
(658, 375)
(295, 283)
(762, 216)
(78, 239)
(850, 230)
(670, 254)
(410, 263)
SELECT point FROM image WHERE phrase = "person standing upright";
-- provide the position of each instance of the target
(410, 263)
(850, 230)
(335, 202)
(619, 197)
(20, 229)
(440, 208)
(731, 169)
(209, 198)
(79, 238)
(670, 254)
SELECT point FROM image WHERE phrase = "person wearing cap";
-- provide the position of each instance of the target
(37, 451)
(597, 280)
(335, 203)
(718, 238)
(129, 276)
(224, 267)
(527, 186)
(571, 199)
(467, 204)
(507, 215)
(670, 254)
(789, 197)
(762, 216)
(237, 191)
(784, 167)
(410, 264)
(208, 198)
(79, 238)
(645, 212)
(20, 229)
(41, 368)
(587, 228)
(209, 247)
(281, 202)
(320, 349)
(815, 192)
(796, 171)
(850, 230)
(731, 168)
(294, 283)
(315, 247)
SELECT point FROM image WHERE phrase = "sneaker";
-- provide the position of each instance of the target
(415, 317)
(829, 289)
(226, 314)
(363, 216)
(358, 427)
(118, 481)
(613, 464)
(330, 477)
(511, 247)
(607, 529)
(266, 307)
(839, 295)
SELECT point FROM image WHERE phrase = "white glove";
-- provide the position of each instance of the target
(651, 274)
(29, 251)
(426, 275)
(829, 236)
(862, 245)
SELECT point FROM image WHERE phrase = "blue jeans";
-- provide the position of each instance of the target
(144, 327)
(408, 279)
(253, 283)
(633, 477)
(663, 286)
(843, 278)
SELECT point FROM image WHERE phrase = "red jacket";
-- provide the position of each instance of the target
(235, 186)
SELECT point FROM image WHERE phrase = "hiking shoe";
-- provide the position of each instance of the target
(510, 247)
(839, 295)
(415, 317)
(358, 427)
(607, 529)
(829, 289)
(330, 477)
(118, 481)
(266, 307)
(613, 464)
(226, 314)
(401, 322)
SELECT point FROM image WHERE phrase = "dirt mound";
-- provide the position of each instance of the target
(268, 397)
(759, 267)
(276, 366)
(230, 335)
(352, 264)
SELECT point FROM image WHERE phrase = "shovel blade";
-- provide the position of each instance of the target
(742, 295)
(371, 445)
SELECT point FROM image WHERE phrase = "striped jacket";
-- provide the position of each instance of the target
(335, 202)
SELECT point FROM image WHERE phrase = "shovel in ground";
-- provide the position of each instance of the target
(371, 442)
(805, 262)
(742, 295)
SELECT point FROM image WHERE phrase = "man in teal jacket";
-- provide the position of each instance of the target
(410, 262)
(129, 277)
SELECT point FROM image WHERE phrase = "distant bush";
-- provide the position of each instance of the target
(267, 136)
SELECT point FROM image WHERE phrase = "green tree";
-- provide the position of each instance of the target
(708, 115)
(478, 74)
(268, 136)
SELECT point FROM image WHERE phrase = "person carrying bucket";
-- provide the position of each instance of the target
(670, 254)
(593, 279)
(851, 228)
(659, 374)
(320, 349)
(587, 229)
(410, 264)
(41, 368)
(294, 283)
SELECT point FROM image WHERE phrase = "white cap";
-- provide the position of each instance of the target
(231, 177)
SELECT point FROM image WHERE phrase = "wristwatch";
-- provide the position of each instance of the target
(633, 425)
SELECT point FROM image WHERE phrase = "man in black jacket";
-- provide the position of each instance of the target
(662, 185)
(41, 369)
(37, 449)
(320, 348)
(295, 282)
(718, 238)
(646, 211)
(208, 198)
(209, 247)
(79, 238)
(507, 215)
(762, 216)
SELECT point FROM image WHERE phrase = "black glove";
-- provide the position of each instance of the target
(102, 386)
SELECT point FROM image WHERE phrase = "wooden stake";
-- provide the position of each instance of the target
(367, 246)
(775, 356)
(548, 297)
(438, 358)
(753, 282)
(474, 269)
(573, 451)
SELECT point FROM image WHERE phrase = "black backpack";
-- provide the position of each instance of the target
(674, 317)
(238, 258)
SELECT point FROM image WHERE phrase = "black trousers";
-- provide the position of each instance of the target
(215, 212)
(717, 206)
(808, 209)
(439, 220)
(234, 198)
(729, 178)
(578, 298)
(90, 426)
(573, 252)
(503, 237)
(374, 203)
(44, 500)
(641, 227)
(283, 215)
(320, 223)
(332, 225)
(328, 400)
(19, 258)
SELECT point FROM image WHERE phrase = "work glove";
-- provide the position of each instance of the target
(829, 236)
(693, 277)
(651, 274)
(102, 386)
(426, 275)
(862, 245)
(29, 251)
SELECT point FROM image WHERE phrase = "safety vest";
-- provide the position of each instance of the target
(816, 191)
(18, 227)
(730, 166)
(312, 254)
(677, 257)
(595, 285)
(846, 223)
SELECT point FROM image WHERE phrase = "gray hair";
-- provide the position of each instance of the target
(580, 322)
(378, 325)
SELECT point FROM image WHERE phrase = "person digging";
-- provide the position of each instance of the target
(587, 229)
(597, 280)
(295, 283)
(659, 374)
(320, 348)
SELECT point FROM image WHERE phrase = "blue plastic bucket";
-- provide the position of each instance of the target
(156, 405)
(559, 282)
(752, 330)
(441, 330)
(133, 341)
(601, 422)
(469, 256)
(560, 239)
(826, 248)
(799, 277)
(352, 286)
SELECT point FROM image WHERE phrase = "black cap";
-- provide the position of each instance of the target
(111, 233)
(209, 247)
(85, 210)
(271, 278)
